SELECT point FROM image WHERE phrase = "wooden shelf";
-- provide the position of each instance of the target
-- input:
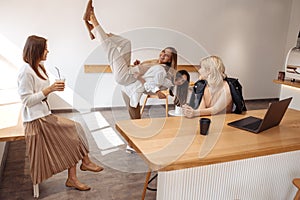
(106, 68)
(288, 82)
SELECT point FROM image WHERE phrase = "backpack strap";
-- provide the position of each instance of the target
(237, 96)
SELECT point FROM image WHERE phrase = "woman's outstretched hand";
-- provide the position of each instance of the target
(137, 62)
(188, 111)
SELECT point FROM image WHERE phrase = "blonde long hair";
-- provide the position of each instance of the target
(215, 69)
(173, 63)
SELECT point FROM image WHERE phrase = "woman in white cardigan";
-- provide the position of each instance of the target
(53, 143)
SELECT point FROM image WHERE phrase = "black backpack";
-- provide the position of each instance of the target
(237, 95)
(235, 89)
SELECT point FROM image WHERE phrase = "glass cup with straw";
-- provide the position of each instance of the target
(60, 78)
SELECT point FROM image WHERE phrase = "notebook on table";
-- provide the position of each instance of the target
(273, 117)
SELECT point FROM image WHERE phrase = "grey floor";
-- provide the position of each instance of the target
(124, 173)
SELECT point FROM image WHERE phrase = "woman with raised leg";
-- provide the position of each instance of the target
(118, 50)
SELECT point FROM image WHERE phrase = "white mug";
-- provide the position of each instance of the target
(178, 110)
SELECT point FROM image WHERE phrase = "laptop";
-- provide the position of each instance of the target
(272, 118)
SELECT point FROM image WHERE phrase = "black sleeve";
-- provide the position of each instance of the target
(198, 91)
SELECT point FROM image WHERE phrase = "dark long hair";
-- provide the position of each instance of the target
(182, 90)
(33, 52)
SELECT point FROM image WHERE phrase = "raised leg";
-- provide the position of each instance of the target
(86, 18)
(118, 51)
(134, 113)
(124, 46)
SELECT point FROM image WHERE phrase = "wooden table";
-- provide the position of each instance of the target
(174, 143)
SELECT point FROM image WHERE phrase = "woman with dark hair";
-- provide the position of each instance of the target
(180, 90)
(53, 143)
(118, 50)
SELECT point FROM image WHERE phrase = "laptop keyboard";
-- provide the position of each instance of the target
(253, 125)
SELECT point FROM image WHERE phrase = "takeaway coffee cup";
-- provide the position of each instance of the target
(204, 125)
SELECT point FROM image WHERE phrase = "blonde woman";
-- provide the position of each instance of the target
(217, 97)
(118, 50)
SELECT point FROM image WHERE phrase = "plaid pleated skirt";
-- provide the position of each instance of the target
(53, 144)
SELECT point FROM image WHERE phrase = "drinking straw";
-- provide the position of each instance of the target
(58, 72)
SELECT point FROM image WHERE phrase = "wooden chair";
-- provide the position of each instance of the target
(166, 92)
(296, 182)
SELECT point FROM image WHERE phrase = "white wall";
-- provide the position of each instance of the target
(250, 36)
(294, 28)
(293, 58)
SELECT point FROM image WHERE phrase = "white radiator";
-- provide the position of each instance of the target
(260, 178)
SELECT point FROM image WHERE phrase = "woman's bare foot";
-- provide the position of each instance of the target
(90, 28)
(87, 16)
(88, 10)
(93, 19)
